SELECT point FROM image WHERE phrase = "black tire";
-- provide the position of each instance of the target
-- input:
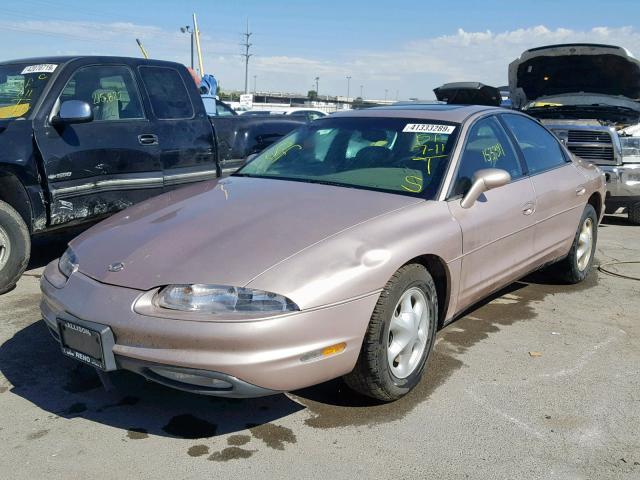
(633, 211)
(14, 256)
(568, 268)
(372, 375)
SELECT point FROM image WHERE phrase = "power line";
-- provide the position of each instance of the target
(246, 56)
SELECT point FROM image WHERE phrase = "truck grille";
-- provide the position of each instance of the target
(592, 145)
(587, 136)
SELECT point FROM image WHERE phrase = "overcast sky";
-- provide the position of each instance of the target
(405, 47)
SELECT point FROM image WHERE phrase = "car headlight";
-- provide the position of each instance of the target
(222, 299)
(68, 263)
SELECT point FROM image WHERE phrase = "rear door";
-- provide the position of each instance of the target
(497, 231)
(101, 166)
(559, 187)
(185, 135)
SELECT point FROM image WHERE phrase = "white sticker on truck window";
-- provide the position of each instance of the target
(42, 68)
(428, 128)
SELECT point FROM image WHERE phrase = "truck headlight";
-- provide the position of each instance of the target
(630, 149)
(222, 299)
(68, 263)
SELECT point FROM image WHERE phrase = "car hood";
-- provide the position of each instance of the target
(223, 232)
(573, 68)
(468, 93)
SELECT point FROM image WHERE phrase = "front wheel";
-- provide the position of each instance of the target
(399, 338)
(577, 265)
(15, 247)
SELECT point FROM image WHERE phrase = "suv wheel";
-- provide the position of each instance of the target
(15, 247)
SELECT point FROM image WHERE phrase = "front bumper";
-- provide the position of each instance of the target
(623, 182)
(257, 357)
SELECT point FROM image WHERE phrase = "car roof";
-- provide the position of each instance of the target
(62, 59)
(443, 112)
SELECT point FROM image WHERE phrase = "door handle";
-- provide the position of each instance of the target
(148, 139)
(581, 190)
(528, 208)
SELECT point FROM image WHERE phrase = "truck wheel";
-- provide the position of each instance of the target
(15, 247)
(399, 338)
(577, 265)
(634, 213)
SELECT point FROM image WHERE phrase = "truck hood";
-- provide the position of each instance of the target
(222, 232)
(573, 68)
(468, 93)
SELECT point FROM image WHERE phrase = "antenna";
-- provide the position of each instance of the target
(144, 52)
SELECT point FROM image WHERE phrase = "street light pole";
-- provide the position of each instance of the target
(187, 29)
(386, 91)
(348, 85)
(317, 88)
(361, 94)
(254, 83)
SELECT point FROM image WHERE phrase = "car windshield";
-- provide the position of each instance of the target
(20, 87)
(407, 156)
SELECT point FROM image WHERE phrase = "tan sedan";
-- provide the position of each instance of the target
(338, 251)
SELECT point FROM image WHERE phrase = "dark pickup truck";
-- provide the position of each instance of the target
(84, 137)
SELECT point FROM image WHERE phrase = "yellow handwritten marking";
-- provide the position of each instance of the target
(415, 184)
(493, 153)
(428, 160)
(278, 154)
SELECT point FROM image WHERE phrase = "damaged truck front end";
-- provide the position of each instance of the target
(588, 95)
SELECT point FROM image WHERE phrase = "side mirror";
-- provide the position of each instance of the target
(73, 111)
(484, 180)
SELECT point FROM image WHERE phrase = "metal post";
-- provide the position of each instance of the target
(348, 85)
(361, 94)
(246, 56)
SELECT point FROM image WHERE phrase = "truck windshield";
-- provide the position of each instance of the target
(21, 86)
(398, 155)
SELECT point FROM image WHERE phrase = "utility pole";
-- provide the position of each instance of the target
(348, 85)
(187, 29)
(361, 94)
(246, 56)
(196, 33)
(255, 81)
(317, 92)
(386, 91)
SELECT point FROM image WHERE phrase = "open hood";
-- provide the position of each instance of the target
(468, 93)
(573, 68)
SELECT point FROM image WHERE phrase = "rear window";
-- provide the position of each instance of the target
(167, 92)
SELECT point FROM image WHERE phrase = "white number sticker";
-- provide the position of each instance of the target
(428, 128)
(42, 68)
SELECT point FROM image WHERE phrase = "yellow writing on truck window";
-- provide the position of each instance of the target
(281, 152)
(412, 183)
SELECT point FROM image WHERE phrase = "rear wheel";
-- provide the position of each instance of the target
(399, 338)
(577, 265)
(634, 213)
(15, 247)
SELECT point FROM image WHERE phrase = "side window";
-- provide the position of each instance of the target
(109, 89)
(487, 147)
(541, 149)
(167, 92)
(224, 110)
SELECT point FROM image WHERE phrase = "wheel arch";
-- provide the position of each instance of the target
(438, 269)
(595, 200)
(13, 192)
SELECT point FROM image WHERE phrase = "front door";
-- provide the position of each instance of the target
(107, 164)
(497, 231)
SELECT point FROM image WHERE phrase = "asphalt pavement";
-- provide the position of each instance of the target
(542, 381)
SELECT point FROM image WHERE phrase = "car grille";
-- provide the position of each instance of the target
(592, 145)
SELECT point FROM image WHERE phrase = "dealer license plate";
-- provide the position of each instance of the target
(81, 343)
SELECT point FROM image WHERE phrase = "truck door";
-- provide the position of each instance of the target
(185, 134)
(108, 163)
